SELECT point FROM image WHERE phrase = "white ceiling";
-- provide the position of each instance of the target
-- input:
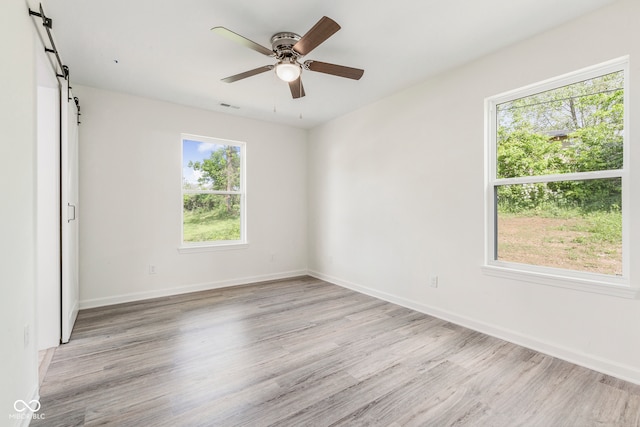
(165, 50)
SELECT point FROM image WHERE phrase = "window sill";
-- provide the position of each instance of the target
(189, 249)
(605, 285)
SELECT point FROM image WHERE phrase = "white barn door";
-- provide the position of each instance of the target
(70, 211)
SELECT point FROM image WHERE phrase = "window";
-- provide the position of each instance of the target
(557, 180)
(213, 196)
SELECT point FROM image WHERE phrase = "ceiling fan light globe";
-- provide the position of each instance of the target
(288, 72)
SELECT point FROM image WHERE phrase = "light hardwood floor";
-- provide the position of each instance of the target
(44, 359)
(302, 352)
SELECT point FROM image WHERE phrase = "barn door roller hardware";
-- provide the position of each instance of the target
(63, 73)
(77, 101)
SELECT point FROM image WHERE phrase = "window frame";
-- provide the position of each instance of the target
(214, 245)
(572, 279)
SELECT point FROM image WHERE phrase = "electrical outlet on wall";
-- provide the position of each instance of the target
(152, 269)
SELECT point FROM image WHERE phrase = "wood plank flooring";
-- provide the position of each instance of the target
(302, 352)
(44, 359)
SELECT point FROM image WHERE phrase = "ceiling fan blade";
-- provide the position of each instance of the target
(297, 90)
(224, 32)
(246, 74)
(323, 29)
(335, 70)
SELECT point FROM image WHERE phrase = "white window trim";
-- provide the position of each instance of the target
(583, 281)
(219, 245)
(216, 246)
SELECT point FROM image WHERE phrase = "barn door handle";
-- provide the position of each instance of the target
(69, 205)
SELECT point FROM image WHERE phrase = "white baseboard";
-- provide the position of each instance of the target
(609, 367)
(138, 296)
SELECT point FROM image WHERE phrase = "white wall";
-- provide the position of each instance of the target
(396, 194)
(130, 200)
(18, 367)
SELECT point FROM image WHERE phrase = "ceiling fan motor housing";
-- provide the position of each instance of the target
(282, 45)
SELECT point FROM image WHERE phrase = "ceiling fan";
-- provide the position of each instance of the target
(288, 49)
